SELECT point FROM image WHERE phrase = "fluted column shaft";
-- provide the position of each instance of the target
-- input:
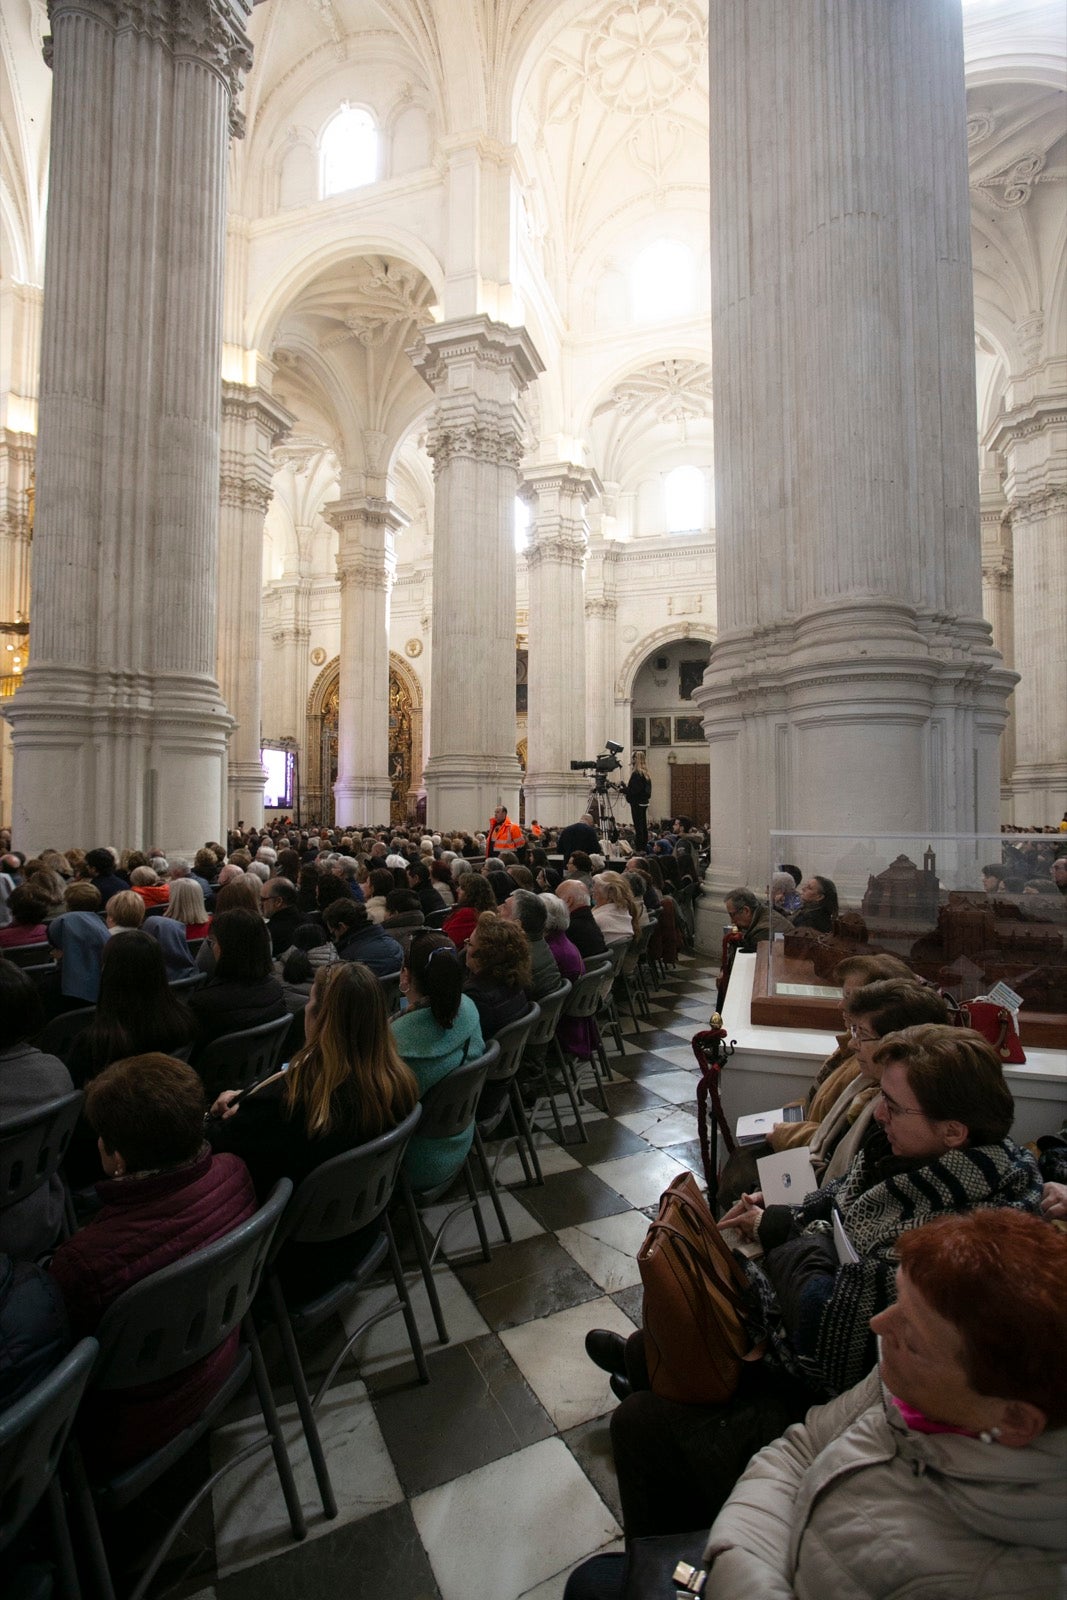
(366, 566)
(998, 585)
(120, 732)
(252, 423)
(478, 370)
(1032, 441)
(555, 558)
(853, 683)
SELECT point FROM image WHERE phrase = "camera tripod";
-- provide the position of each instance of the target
(602, 810)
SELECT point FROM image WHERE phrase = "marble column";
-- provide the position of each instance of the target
(478, 370)
(366, 563)
(16, 527)
(120, 730)
(555, 558)
(252, 423)
(853, 686)
(998, 609)
(603, 713)
(1032, 441)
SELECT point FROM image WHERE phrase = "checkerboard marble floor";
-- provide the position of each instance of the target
(495, 1480)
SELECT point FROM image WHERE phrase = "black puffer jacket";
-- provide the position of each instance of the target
(34, 1332)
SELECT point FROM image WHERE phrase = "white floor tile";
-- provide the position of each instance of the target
(640, 1179)
(661, 1127)
(552, 1156)
(386, 1344)
(461, 1236)
(606, 1248)
(472, 1528)
(550, 1354)
(677, 1086)
(552, 1588)
(251, 1523)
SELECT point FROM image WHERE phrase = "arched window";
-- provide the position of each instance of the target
(683, 492)
(522, 524)
(663, 282)
(349, 149)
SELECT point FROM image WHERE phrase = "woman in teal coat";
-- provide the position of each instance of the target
(436, 1034)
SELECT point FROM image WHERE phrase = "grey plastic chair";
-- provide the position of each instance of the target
(501, 1088)
(538, 1045)
(237, 1060)
(609, 963)
(160, 1326)
(58, 1036)
(584, 1003)
(30, 955)
(33, 1144)
(33, 1432)
(434, 919)
(390, 982)
(338, 1199)
(185, 986)
(447, 1109)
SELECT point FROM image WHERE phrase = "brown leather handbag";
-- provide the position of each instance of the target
(696, 1300)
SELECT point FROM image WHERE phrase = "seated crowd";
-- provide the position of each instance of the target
(389, 962)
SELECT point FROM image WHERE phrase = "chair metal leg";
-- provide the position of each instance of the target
(274, 1428)
(406, 1306)
(490, 1184)
(82, 1500)
(303, 1399)
(518, 1111)
(479, 1220)
(568, 1079)
(69, 1586)
(424, 1261)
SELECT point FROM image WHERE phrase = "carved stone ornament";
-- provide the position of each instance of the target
(643, 54)
(494, 443)
(212, 31)
(413, 648)
(318, 656)
(1013, 185)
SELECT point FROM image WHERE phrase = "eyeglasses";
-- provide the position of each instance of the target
(862, 1038)
(893, 1110)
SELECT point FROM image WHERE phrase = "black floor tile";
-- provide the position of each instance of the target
(659, 1039)
(532, 1278)
(377, 1556)
(476, 1409)
(608, 1141)
(590, 1445)
(689, 1155)
(631, 1301)
(622, 1097)
(567, 1198)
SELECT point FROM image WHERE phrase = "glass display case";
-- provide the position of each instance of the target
(965, 911)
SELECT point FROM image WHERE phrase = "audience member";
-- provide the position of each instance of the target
(28, 907)
(28, 1079)
(278, 904)
(147, 883)
(186, 906)
(529, 911)
(346, 1085)
(419, 882)
(576, 1036)
(437, 1033)
(34, 1336)
(164, 1195)
(170, 936)
(78, 940)
(359, 939)
(403, 917)
(137, 1011)
(615, 911)
(124, 911)
(474, 895)
(818, 905)
(584, 930)
(243, 991)
(101, 868)
(498, 972)
(81, 896)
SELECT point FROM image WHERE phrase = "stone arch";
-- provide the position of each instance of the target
(321, 735)
(673, 634)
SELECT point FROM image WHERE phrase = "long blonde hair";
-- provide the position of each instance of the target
(351, 1049)
(615, 890)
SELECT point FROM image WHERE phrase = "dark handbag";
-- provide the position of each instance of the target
(697, 1299)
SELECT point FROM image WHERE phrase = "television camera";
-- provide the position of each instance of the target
(600, 803)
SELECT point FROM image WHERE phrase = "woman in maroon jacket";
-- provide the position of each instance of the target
(475, 895)
(164, 1196)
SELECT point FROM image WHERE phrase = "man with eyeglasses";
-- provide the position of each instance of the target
(278, 904)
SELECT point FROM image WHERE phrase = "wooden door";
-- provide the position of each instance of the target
(691, 791)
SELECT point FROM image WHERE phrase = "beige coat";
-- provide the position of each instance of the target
(846, 1122)
(852, 1505)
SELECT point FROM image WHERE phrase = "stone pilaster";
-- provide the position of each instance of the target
(120, 730)
(602, 714)
(17, 493)
(555, 558)
(366, 563)
(998, 609)
(478, 370)
(252, 423)
(1032, 442)
(853, 685)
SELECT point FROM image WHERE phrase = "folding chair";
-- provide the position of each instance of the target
(447, 1109)
(33, 1432)
(185, 986)
(58, 1036)
(584, 1003)
(390, 982)
(502, 1090)
(237, 1060)
(539, 1044)
(32, 1146)
(338, 1199)
(160, 1326)
(30, 955)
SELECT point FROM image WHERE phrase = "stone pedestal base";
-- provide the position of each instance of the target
(362, 802)
(464, 794)
(556, 798)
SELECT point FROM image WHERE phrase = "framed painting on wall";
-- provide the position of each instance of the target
(690, 677)
(638, 733)
(659, 730)
(689, 730)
